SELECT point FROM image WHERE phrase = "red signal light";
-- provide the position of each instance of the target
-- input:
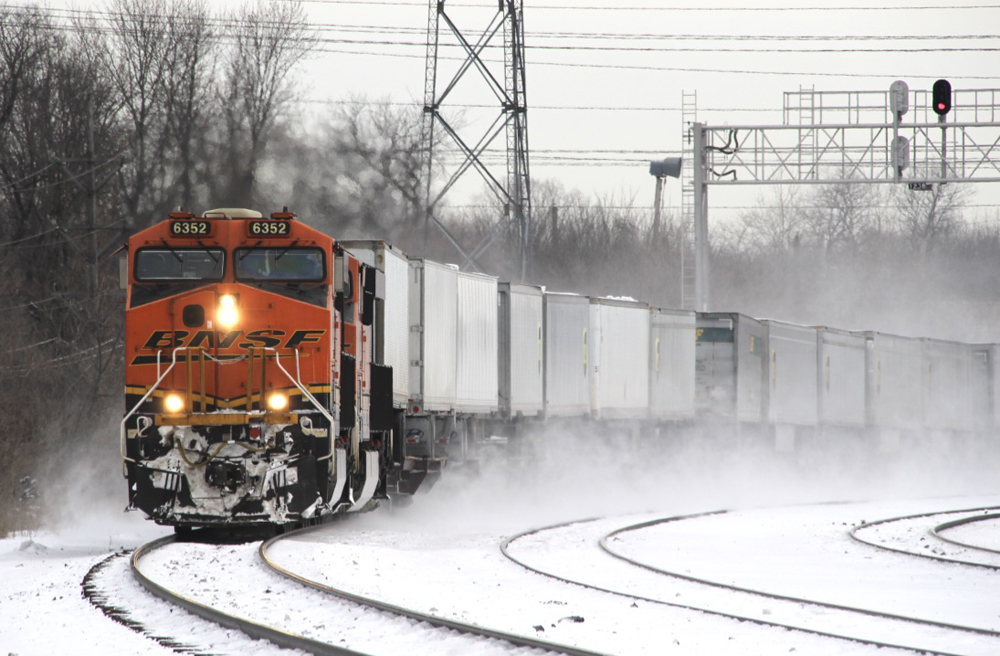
(941, 97)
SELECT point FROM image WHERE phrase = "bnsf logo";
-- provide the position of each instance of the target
(161, 339)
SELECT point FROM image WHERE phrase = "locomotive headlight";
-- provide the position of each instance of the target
(173, 403)
(228, 315)
(277, 401)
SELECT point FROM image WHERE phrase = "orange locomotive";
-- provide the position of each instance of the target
(251, 394)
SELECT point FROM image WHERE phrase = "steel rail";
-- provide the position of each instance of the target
(504, 547)
(853, 533)
(252, 629)
(92, 593)
(940, 528)
(771, 595)
(435, 621)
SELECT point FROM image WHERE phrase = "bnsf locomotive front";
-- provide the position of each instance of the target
(251, 395)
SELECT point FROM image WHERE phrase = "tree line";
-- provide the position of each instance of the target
(110, 119)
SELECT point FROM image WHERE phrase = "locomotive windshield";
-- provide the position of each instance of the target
(183, 264)
(283, 264)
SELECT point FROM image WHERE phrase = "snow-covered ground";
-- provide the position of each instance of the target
(441, 556)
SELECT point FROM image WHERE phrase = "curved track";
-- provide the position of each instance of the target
(252, 629)
(288, 639)
(603, 543)
(93, 594)
(461, 627)
(935, 532)
(941, 528)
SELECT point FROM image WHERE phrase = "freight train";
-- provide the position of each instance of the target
(276, 376)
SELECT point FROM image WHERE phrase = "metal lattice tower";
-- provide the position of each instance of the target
(689, 114)
(514, 193)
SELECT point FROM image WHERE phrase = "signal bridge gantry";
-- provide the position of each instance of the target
(849, 137)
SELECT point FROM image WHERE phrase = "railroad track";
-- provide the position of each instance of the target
(431, 630)
(537, 646)
(936, 531)
(941, 528)
(944, 638)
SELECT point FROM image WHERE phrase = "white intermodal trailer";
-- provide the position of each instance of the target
(433, 336)
(567, 345)
(894, 378)
(840, 361)
(948, 397)
(983, 392)
(521, 351)
(619, 359)
(476, 349)
(671, 365)
(430, 420)
(791, 393)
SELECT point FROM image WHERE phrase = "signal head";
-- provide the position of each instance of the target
(941, 97)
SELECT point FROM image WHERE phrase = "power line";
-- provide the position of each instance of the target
(610, 108)
(13, 185)
(31, 304)
(612, 7)
(35, 236)
(606, 48)
(418, 44)
(96, 167)
(723, 207)
(680, 69)
(223, 22)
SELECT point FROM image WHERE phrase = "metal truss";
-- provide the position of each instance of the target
(512, 190)
(850, 153)
(847, 137)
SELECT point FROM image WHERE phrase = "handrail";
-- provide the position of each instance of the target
(307, 394)
(277, 359)
(146, 396)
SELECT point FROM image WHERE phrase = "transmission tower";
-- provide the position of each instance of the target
(514, 192)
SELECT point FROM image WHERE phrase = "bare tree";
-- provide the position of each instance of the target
(23, 41)
(188, 81)
(385, 145)
(134, 55)
(774, 226)
(927, 217)
(842, 214)
(59, 333)
(267, 44)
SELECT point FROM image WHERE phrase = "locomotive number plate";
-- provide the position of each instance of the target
(269, 228)
(189, 228)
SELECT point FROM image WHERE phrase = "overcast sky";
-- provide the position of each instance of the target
(637, 56)
(605, 80)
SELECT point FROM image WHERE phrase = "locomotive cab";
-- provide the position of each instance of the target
(248, 373)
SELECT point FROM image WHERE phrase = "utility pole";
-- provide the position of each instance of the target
(700, 201)
(91, 201)
(689, 116)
